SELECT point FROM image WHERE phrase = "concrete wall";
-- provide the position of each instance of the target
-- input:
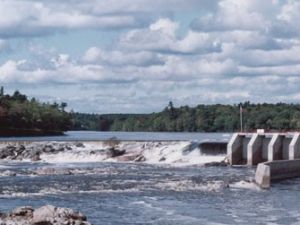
(254, 150)
(213, 148)
(263, 175)
(275, 147)
(235, 149)
(276, 170)
(265, 147)
(294, 147)
(285, 147)
(246, 140)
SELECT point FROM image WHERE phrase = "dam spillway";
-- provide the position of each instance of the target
(254, 148)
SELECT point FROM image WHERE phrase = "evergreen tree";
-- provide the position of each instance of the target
(1, 91)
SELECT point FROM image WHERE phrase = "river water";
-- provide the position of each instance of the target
(143, 193)
(129, 136)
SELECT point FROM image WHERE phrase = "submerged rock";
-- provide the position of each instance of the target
(26, 211)
(222, 163)
(32, 151)
(114, 152)
(46, 215)
(80, 145)
(162, 159)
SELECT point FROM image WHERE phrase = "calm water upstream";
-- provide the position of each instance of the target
(137, 193)
(130, 136)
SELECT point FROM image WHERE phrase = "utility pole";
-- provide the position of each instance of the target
(241, 117)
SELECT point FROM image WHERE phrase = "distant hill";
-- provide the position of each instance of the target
(21, 116)
(202, 118)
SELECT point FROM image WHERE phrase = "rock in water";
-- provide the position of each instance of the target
(222, 163)
(36, 158)
(25, 211)
(46, 215)
(114, 152)
(80, 145)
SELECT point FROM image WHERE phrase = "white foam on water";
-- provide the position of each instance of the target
(188, 185)
(77, 155)
(245, 185)
(172, 152)
(53, 191)
(72, 157)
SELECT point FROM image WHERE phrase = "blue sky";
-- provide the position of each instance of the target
(134, 56)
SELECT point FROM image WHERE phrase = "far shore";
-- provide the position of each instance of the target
(28, 132)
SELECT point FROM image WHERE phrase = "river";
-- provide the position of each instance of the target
(129, 136)
(113, 193)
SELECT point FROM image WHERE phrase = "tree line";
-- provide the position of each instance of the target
(202, 118)
(22, 116)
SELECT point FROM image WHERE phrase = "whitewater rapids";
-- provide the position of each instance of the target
(179, 153)
(153, 152)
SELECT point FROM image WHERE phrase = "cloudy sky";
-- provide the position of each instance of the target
(111, 56)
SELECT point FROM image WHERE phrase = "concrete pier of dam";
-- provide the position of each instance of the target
(277, 170)
(254, 148)
(276, 154)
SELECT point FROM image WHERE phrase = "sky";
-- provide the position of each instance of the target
(134, 56)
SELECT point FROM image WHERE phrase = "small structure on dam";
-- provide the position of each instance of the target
(254, 148)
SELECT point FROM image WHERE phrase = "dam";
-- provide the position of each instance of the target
(254, 148)
(276, 155)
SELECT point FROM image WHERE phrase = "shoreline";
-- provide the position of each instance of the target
(28, 133)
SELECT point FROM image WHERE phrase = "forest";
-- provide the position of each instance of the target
(22, 116)
(202, 118)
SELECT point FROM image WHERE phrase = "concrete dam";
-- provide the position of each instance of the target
(276, 154)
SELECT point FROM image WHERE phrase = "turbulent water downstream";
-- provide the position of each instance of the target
(149, 192)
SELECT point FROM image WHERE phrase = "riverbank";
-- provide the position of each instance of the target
(28, 132)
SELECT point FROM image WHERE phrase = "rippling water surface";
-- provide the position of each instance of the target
(112, 193)
(135, 193)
